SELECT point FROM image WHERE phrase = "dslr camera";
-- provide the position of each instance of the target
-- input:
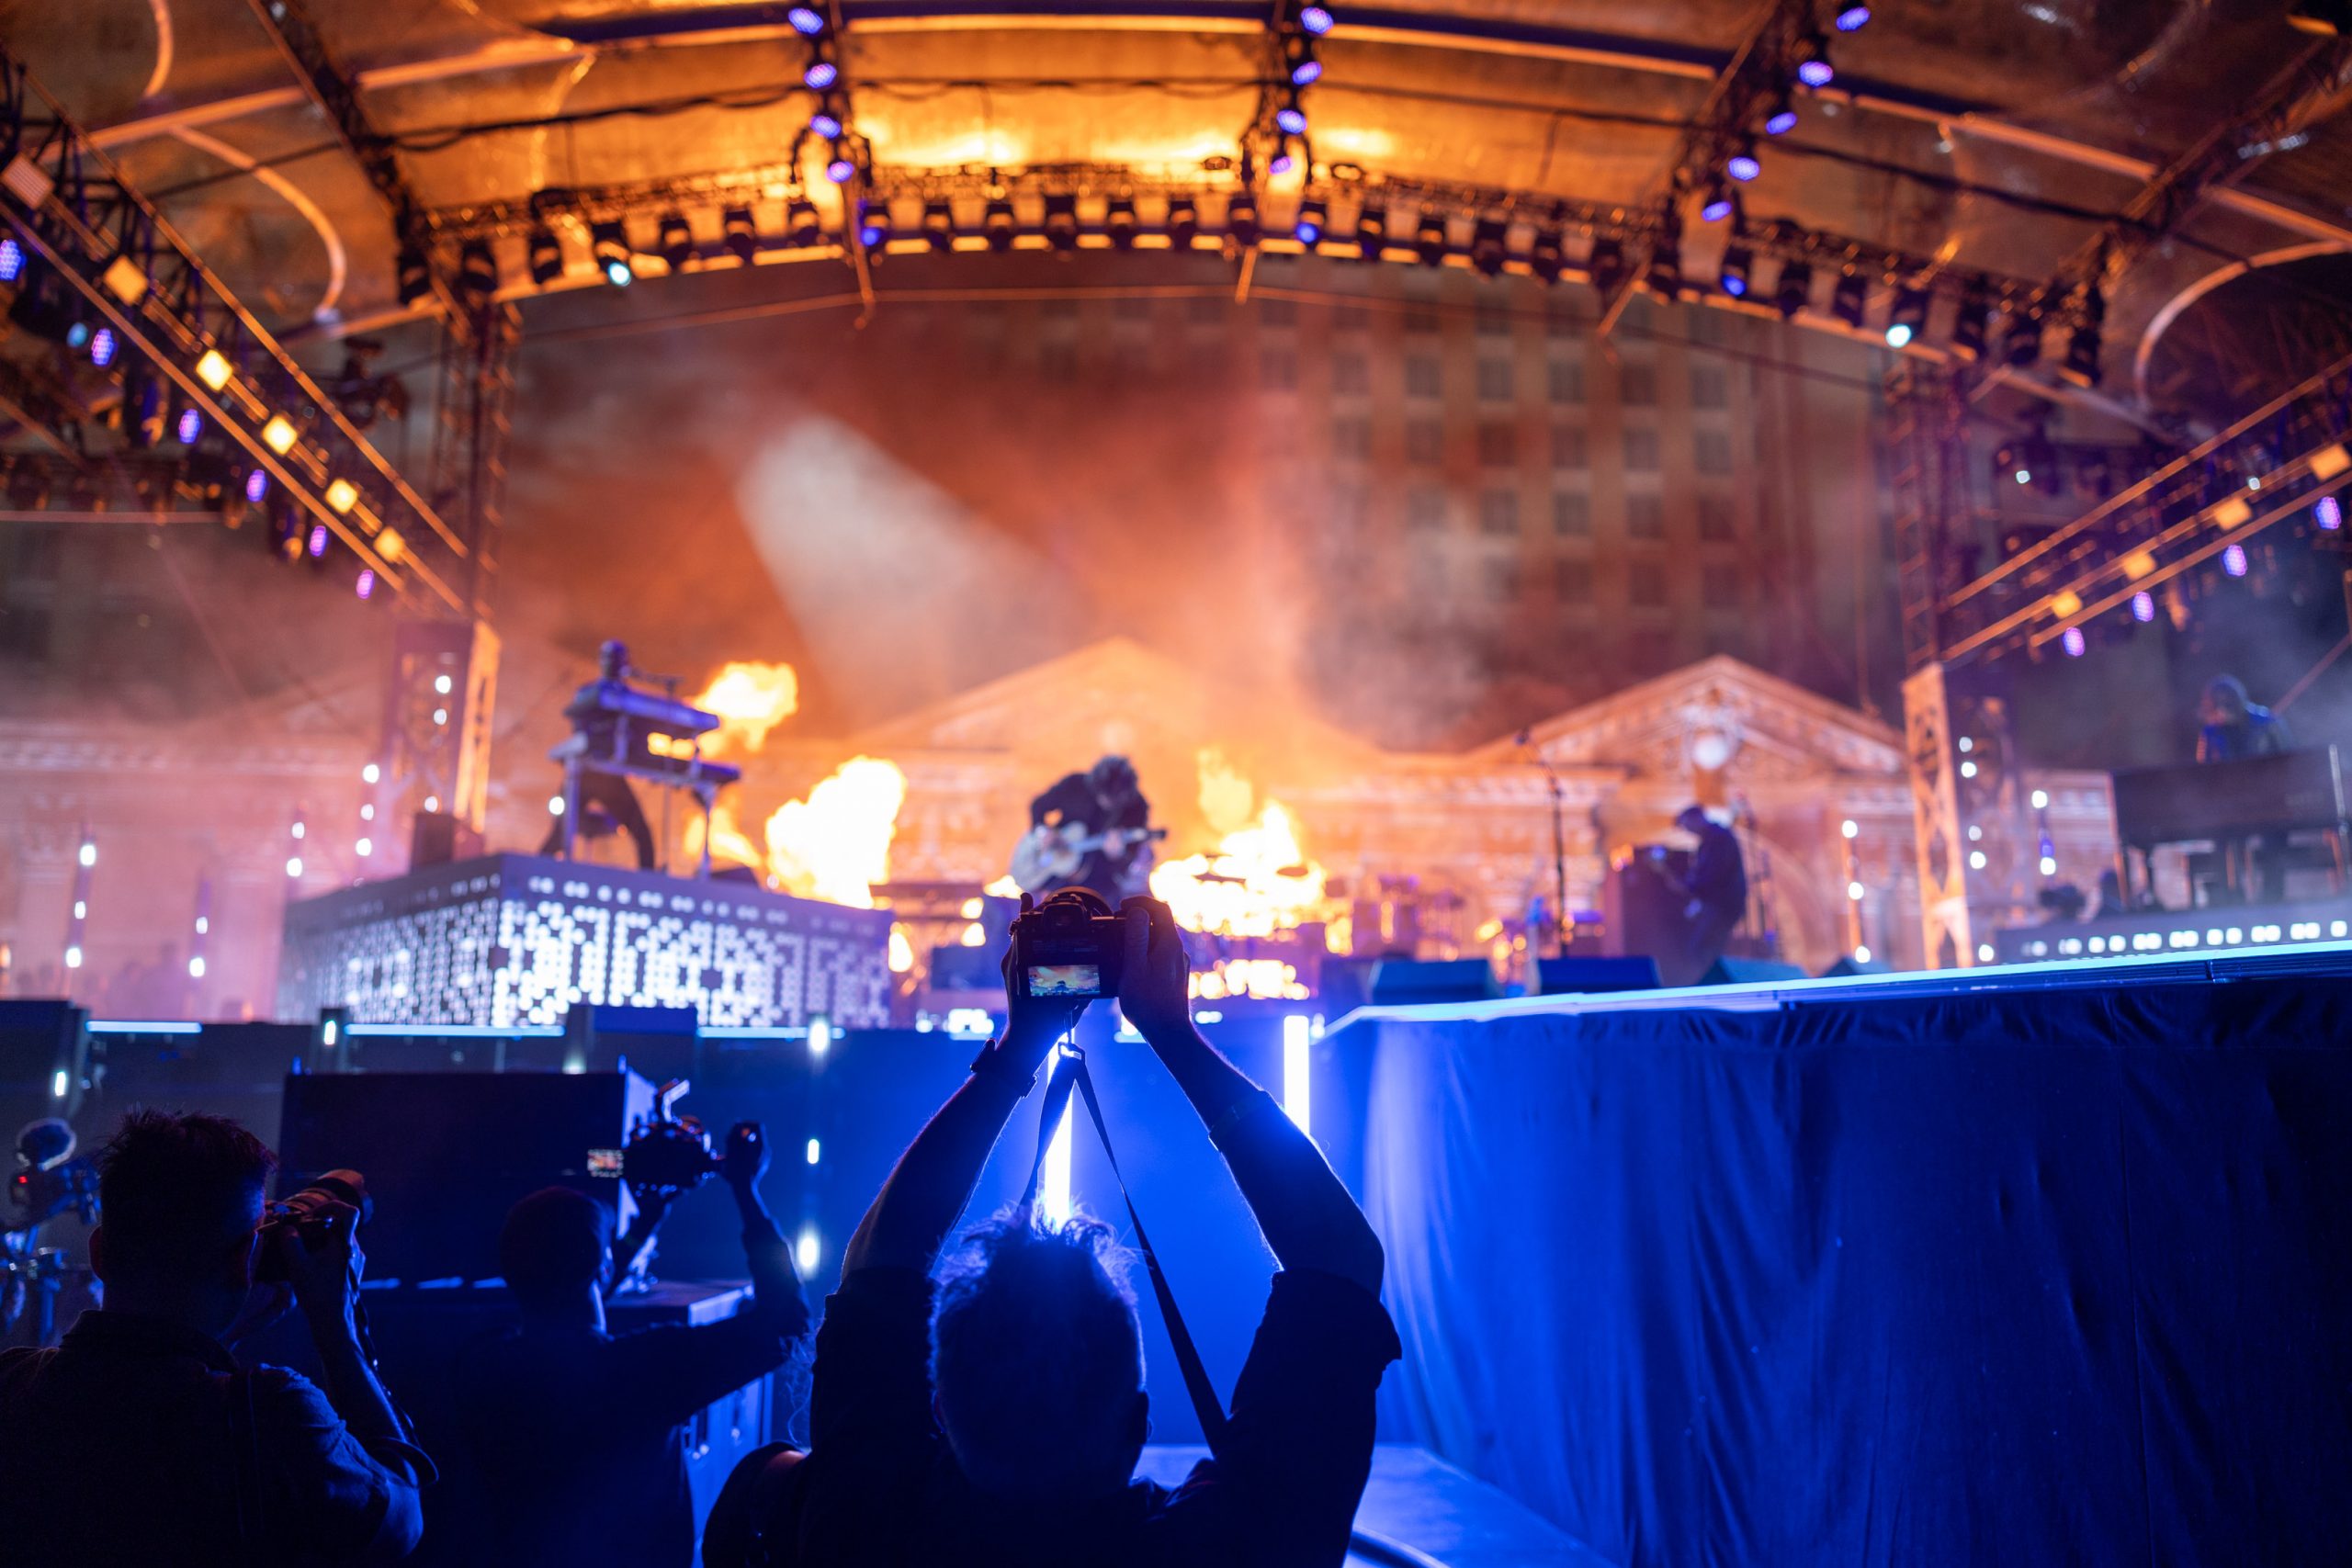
(1071, 946)
(304, 1214)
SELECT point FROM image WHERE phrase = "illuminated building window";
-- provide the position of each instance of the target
(1645, 516)
(1718, 524)
(1571, 513)
(1637, 385)
(1495, 381)
(1424, 442)
(1566, 378)
(1645, 585)
(1710, 388)
(1499, 512)
(1641, 450)
(1574, 578)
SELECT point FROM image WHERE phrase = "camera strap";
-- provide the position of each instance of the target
(1068, 1072)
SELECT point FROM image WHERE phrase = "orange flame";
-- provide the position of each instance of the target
(1258, 880)
(836, 844)
(750, 699)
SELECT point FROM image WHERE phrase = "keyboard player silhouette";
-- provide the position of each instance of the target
(613, 727)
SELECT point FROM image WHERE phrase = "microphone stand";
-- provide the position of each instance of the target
(1560, 922)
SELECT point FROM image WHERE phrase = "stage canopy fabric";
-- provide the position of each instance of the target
(1997, 1278)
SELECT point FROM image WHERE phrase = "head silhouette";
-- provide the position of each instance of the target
(555, 1247)
(180, 1198)
(1693, 820)
(2225, 701)
(1037, 1359)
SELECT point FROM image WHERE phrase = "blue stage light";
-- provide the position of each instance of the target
(12, 261)
(2143, 606)
(2328, 513)
(1316, 20)
(826, 124)
(2233, 560)
(2073, 641)
(1292, 118)
(1812, 61)
(318, 540)
(1742, 164)
(1782, 116)
(102, 347)
(1718, 205)
(191, 425)
(808, 21)
(1312, 220)
(822, 74)
(1852, 18)
(841, 171)
(256, 485)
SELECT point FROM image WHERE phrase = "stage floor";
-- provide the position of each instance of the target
(1434, 1512)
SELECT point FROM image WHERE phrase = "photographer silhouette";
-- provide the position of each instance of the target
(997, 1415)
(138, 1439)
(579, 1433)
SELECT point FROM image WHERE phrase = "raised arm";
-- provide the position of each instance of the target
(933, 1179)
(1302, 1209)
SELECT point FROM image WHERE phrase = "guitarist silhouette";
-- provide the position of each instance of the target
(1091, 830)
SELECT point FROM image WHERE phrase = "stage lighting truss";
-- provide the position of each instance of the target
(75, 214)
(769, 217)
(2276, 465)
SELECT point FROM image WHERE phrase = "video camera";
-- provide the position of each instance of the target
(304, 1214)
(1071, 946)
(668, 1153)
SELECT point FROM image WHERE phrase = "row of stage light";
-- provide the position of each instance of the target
(1899, 300)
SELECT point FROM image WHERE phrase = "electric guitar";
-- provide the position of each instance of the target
(1046, 856)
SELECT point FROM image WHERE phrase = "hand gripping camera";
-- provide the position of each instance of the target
(304, 1214)
(1069, 946)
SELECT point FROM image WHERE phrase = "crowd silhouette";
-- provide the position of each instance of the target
(976, 1396)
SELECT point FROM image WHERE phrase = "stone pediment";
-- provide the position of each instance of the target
(1719, 713)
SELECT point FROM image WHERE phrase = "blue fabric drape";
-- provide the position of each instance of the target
(2001, 1278)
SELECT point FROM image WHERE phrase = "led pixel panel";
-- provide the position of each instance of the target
(514, 941)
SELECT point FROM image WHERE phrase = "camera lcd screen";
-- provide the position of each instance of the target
(1064, 980)
(604, 1162)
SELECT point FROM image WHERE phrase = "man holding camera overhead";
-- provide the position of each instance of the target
(995, 1416)
(580, 1434)
(139, 1440)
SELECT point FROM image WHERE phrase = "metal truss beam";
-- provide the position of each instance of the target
(336, 92)
(76, 213)
(1739, 87)
(2267, 469)
(2310, 86)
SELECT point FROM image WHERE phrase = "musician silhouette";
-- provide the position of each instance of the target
(1091, 830)
(609, 792)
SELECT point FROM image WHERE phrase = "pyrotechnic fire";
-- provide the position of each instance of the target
(750, 699)
(1258, 880)
(836, 844)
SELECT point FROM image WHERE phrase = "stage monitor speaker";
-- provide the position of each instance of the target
(1595, 976)
(1848, 966)
(1730, 971)
(445, 1155)
(1404, 982)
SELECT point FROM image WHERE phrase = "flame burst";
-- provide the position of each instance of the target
(1258, 880)
(834, 845)
(750, 699)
